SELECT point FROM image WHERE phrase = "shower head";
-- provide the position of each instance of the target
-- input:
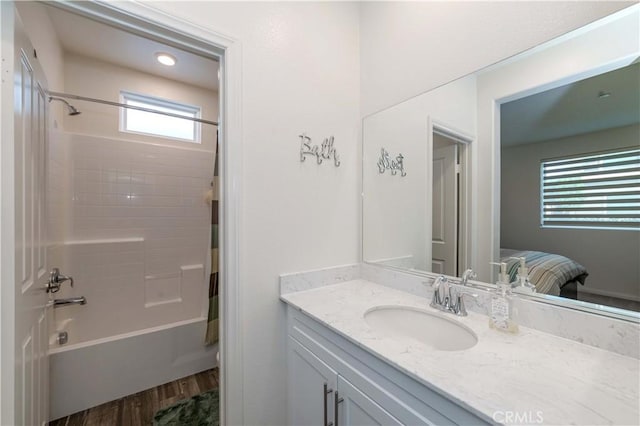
(72, 110)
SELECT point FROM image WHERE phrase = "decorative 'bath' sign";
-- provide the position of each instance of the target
(386, 163)
(324, 151)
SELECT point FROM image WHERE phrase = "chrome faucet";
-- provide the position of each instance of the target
(446, 299)
(437, 301)
(58, 303)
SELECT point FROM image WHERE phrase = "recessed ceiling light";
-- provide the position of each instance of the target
(166, 59)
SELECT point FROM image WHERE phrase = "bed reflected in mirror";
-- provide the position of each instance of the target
(570, 188)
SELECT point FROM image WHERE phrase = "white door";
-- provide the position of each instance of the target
(357, 409)
(445, 207)
(31, 370)
(312, 384)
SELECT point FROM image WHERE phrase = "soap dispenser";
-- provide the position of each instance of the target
(500, 316)
(523, 285)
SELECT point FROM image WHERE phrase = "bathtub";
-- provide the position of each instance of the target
(90, 373)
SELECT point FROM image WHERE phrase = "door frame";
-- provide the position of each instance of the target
(465, 142)
(7, 216)
(151, 22)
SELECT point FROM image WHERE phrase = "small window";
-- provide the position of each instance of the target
(599, 190)
(149, 123)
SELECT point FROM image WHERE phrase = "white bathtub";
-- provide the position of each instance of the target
(87, 374)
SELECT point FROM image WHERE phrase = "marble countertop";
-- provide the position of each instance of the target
(545, 378)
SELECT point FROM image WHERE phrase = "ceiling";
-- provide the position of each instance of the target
(574, 109)
(86, 37)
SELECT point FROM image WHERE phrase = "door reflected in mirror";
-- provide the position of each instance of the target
(449, 202)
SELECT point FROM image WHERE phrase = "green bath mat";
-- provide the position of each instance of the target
(200, 410)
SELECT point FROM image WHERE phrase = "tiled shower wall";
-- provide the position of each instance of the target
(136, 235)
(58, 190)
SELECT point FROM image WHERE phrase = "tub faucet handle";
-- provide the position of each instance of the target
(56, 279)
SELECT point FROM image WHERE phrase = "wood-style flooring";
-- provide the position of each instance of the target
(138, 409)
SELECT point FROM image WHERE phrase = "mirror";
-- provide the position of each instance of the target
(570, 188)
(481, 169)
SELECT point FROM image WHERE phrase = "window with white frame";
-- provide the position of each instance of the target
(597, 190)
(163, 125)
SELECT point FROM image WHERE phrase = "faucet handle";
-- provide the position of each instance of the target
(437, 299)
(459, 308)
(435, 283)
(440, 279)
(56, 279)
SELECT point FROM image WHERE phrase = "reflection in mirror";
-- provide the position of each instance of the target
(397, 211)
(448, 206)
(570, 188)
(535, 157)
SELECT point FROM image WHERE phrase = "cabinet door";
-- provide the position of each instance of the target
(309, 405)
(357, 409)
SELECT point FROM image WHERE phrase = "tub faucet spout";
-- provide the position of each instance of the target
(57, 303)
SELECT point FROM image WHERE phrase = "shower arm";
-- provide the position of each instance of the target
(118, 104)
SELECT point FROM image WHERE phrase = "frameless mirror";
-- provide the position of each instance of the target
(570, 188)
(536, 157)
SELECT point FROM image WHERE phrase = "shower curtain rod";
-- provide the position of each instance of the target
(118, 104)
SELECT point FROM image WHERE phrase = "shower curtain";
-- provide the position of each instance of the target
(213, 319)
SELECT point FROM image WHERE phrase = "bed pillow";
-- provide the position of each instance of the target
(548, 272)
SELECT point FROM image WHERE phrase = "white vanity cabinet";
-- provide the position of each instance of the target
(333, 382)
(318, 392)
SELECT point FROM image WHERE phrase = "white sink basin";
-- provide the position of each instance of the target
(429, 328)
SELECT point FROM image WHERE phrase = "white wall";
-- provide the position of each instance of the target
(395, 212)
(408, 48)
(300, 73)
(98, 79)
(611, 257)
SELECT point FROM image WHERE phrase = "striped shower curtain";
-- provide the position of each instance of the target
(213, 317)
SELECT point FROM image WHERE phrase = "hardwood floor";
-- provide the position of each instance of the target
(138, 409)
